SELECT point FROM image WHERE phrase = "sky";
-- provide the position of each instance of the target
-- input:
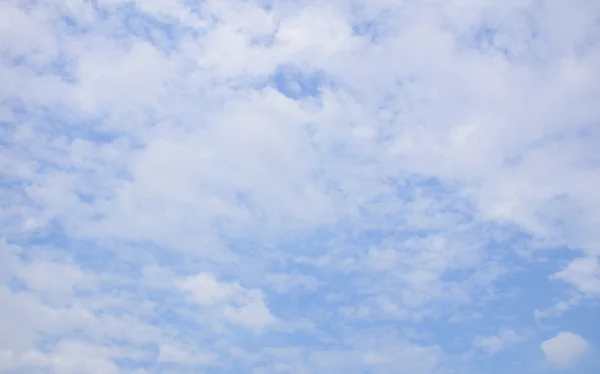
(299, 186)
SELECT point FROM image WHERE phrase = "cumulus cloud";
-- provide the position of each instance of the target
(205, 289)
(240, 306)
(564, 349)
(294, 186)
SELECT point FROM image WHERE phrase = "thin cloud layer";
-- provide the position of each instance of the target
(228, 186)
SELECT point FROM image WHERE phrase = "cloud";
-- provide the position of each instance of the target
(172, 354)
(205, 289)
(240, 306)
(564, 349)
(493, 344)
(284, 283)
(295, 186)
(252, 312)
(583, 274)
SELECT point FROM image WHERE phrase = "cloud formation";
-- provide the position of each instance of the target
(278, 186)
(564, 348)
(493, 344)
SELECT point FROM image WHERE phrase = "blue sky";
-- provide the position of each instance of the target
(255, 186)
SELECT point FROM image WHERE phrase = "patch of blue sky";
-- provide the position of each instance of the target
(16, 285)
(103, 256)
(56, 122)
(515, 359)
(373, 24)
(126, 20)
(72, 128)
(369, 29)
(163, 35)
(132, 364)
(297, 83)
(267, 40)
(499, 37)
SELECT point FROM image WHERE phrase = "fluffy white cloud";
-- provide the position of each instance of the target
(564, 349)
(245, 307)
(205, 289)
(251, 312)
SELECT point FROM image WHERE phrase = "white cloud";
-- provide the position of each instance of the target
(178, 354)
(205, 289)
(376, 351)
(41, 276)
(158, 184)
(244, 307)
(564, 349)
(582, 273)
(493, 344)
(252, 312)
